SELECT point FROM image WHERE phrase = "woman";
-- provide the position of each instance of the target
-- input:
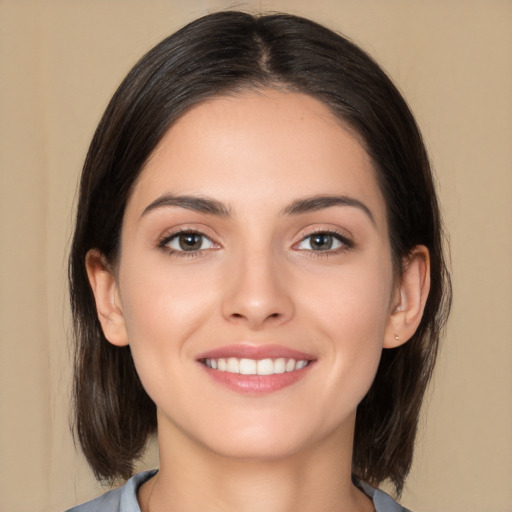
(256, 275)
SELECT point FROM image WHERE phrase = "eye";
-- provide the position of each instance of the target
(323, 241)
(187, 241)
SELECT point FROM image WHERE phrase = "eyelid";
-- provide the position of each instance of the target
(163, 242)
(345, 239)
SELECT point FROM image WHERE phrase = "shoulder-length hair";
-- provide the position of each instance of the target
(225, 53)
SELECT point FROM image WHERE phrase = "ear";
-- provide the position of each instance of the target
(108, 303)
(409, 299)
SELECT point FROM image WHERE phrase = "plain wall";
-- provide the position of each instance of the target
(60, 63)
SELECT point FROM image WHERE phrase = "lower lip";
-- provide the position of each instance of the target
(257, 384)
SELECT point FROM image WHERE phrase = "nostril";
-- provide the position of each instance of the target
(240, 315)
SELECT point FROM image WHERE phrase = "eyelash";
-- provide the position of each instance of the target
(346, 243)
(166, 240)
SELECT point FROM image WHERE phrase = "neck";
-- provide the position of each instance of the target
(191, 478)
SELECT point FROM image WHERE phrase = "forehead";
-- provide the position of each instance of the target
(243, 148)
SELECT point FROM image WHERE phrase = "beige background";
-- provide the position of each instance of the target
(60, 62)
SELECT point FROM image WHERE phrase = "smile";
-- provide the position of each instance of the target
(245, 366)
(256, 370)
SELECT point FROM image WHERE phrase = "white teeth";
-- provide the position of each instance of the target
(280, 365)
(265, 367)
(290, 365)
(248, 366)
(256, 367)
(233, 365)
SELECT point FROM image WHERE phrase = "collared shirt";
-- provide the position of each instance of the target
(124, 499)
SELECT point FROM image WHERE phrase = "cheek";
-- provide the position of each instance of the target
(163, 309)
(354, 301)
(352, 311)
(162, 315)
(161, 297)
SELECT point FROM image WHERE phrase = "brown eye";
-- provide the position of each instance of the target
(188, 241)
(324, 241)
(321, 242)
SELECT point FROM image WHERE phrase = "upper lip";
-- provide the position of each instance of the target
(257, 352)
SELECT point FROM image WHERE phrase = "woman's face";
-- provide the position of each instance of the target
(256, 242)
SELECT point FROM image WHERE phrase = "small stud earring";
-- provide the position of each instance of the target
(396, 337)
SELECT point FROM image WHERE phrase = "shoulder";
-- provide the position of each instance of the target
(123, 499)
(382, 501)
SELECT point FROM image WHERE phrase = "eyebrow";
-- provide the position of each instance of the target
(198, 204)
(311, 204)
(214, 207)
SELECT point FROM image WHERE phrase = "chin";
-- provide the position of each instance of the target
(260, 449)
(274, 440)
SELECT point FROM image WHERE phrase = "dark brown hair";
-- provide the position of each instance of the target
(224, 53)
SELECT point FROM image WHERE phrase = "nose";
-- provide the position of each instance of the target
(257, 292)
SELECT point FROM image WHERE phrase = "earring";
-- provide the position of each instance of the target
(396, 337)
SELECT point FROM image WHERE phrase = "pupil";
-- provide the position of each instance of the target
(190, 242)
(321, 241)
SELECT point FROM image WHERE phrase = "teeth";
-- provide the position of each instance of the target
(280, 365)
(248, 366)
(300, 365)
(233, 365)
(290, 365)
(256, 367)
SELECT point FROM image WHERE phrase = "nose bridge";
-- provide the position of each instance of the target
(257, 291)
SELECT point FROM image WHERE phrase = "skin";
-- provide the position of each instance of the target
(257, 280)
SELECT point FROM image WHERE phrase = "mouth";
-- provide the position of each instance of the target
(245, 366)
(255, 370)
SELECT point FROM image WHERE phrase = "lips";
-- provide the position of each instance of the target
(256, 369)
